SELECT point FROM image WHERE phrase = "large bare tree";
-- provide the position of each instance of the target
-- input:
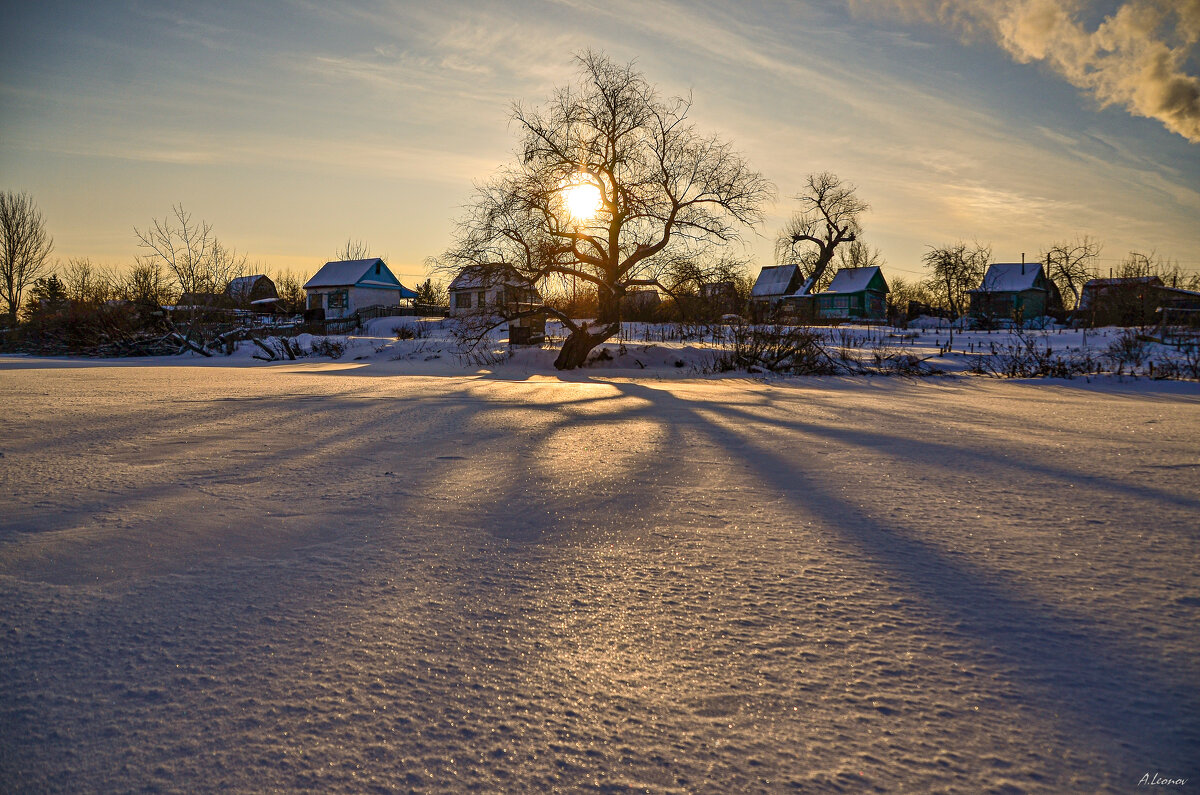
(830, 215)
(1070, 264)
(955, 269)
(612, 183)
(25, 248)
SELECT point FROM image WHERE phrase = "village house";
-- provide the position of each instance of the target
(1014, 290)
(774, 282)
(252, 292)
(721, 298)
(344, 287)
(640, 304)
(854, 294)
(477, 289)
(1130, 301)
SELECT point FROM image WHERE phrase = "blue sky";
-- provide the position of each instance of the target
(292, 126)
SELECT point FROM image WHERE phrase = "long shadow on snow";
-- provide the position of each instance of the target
(932, 452)
(1054, 657)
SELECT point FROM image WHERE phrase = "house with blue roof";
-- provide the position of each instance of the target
(344, 287)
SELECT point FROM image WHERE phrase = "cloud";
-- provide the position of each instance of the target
(1136, 57)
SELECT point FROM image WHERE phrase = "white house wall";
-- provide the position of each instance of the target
(492, 300)
(361, 297)
(357, 298)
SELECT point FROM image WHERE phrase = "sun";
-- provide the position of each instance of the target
(582, 198)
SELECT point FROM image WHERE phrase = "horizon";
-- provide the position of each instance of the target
(292, 133)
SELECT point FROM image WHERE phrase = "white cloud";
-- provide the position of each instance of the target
(1136, 57)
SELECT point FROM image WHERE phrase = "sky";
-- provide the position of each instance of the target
(295, 125)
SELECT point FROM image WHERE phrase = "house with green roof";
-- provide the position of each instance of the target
(854, 294)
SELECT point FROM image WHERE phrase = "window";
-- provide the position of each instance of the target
(339, 299)
(841, 302)
(482, 300)
(377, 268)
(314, 300)
(462, 300)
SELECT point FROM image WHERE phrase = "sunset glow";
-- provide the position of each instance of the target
(582, 198)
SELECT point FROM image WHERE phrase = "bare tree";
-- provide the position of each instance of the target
(90, 284)
(289, 286)
(857, 254)
(829, 216)
(956, 269)
(1071, 264)
(612, 183)
(1141, 264)
(905, 292)
(353, 249)
(25, 247)
(191, 253)
(689, 281)
(147, 283)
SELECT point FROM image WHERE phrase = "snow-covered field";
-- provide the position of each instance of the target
(394, 574)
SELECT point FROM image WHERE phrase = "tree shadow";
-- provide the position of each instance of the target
(1101, 684)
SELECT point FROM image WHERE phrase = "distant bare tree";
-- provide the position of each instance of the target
(25, 247)
(612, 182)
(89, 284)
(353, 249)
(147, 283)
(289, 286)
(906, 291)
(829, 216)
(1071, 264)
(956, 269)
(1140, 264)
(191, 253)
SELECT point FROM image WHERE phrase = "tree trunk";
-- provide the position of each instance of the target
(818, 269)
(575, 350)
(609, 307)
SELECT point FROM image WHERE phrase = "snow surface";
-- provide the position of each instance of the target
(397, 574)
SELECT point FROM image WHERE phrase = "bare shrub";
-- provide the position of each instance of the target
(1031, 356)
(413, 331)
(475, 340)
(797, 350)
(332, 347)
(1184, 367)
(1128, 350)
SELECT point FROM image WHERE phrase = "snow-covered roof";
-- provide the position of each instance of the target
(1095, 289)
(372, 272)
(1120, 281)
(853, 280)
(774, 280)
(245, 283)
(478, 278)
(1010, 277)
